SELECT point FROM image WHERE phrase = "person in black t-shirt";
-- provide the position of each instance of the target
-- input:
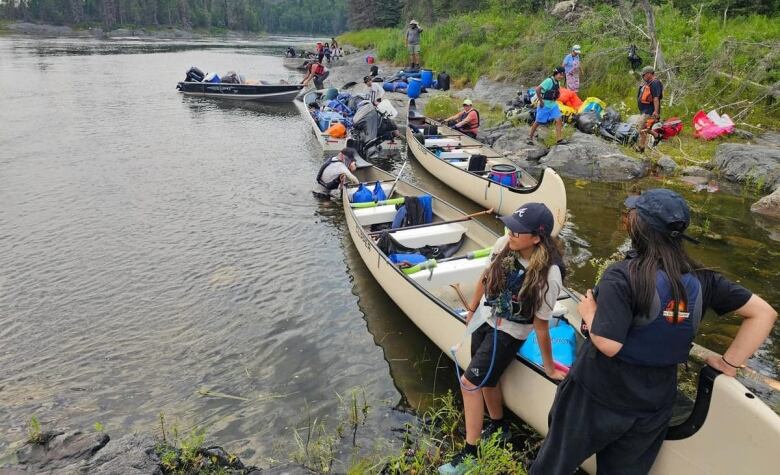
(617, 399)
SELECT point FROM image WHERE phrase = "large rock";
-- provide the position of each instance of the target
(667, 164)
(768, 205)
(491, 92)
(757, 164)
(60, 450)
(130, 455)
(588, 157)
(561, 9)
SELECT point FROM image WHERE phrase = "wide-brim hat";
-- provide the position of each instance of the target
(467, 102)
(413, 22)
(576, 48)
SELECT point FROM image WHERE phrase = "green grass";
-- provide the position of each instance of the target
(524, 47)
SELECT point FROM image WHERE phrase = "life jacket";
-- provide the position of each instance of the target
(661, 339)
(317, 69)
(470, 126)
(333, 184)
(554, 92)
(506, 305)
(645, 93)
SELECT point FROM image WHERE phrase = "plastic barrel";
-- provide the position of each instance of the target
(388, 86)
(427, 77)
(504, 174)
(414, 88)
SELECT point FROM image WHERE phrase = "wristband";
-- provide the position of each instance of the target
(735, 367)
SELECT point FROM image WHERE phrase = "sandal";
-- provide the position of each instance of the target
(530, 141)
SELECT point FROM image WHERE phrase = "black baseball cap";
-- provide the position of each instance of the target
(349, 154)
(559, 70)
(530, 218)
(664, 210)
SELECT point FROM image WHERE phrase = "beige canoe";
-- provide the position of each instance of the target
(451, 167)
(730, 430)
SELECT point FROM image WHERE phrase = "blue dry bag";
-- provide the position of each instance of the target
(362, 195)
(564, 345)
(379, 193)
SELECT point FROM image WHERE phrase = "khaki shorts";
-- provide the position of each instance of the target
(414, 49)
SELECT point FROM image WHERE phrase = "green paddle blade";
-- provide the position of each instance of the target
(429, 264)
(373, 204)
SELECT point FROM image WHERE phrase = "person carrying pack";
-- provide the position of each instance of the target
(547, 94)
(334, 172)
(648, 98)
(466, 121)
(616, 401)
(518, 290)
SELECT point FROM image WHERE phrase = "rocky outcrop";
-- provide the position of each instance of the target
(491, 92)
(59, 451)
(757, 164)
(768, 205)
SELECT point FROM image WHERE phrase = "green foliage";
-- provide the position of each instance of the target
(34, 433)
(278, 16)
(99, 427)
(443, 106)
(506, 41)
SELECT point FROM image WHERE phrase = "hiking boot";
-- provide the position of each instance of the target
(530, 141)
(562, 142)
(456, 466)
(494, 427)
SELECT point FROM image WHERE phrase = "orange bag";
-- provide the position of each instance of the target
(337, 131)
(570, 98)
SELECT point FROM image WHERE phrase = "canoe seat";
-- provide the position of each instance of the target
(429, 236)
(376, 215)
(461, 271)
(446, 142)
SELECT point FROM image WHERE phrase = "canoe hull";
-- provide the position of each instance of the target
(549, 189)
(277, 93)
(730, 430)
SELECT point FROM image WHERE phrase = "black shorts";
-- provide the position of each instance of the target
(482, 353)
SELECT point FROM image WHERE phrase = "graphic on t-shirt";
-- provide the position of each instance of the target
(682, 314)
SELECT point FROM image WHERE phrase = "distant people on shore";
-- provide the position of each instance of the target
(547, 111)
(412, 42)
(467, 120)
(571, 65)
(651, 91)
(336, 49)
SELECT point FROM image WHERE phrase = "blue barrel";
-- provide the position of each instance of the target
(427, 77)
(414, 89)
(388, 86)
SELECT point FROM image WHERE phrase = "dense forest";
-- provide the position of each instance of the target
(275, 16)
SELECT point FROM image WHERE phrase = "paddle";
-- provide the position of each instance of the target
(465, 218)
(392, 188)
(374, 204)
(432, 263)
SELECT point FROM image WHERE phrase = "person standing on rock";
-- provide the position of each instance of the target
(547, 111)
(412, 41)
(651, 91)
(571, 64)
(617, 400)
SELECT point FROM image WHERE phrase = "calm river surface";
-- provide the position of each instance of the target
(159, 254)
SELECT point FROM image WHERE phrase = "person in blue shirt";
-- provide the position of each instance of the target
(571, 65)
(548, 111)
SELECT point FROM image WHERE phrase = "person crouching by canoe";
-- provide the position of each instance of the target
(467, 120)
(526, 266)
(318, 73)
(547, 94)
(617, 399)
(335, 172)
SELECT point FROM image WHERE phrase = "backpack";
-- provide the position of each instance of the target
(443, 81)
(587, 122)
(626, 133)
(670, 127)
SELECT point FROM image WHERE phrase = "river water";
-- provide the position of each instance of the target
(161, 254)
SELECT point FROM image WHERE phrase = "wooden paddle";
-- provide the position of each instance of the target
(465, 218)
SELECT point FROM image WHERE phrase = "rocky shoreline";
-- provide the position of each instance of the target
(50, 31)
(68, 452)
(755, 164)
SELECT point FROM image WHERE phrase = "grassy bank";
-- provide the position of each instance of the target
(700, 48)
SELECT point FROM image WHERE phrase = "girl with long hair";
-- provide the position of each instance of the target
(617, 400)
(518, 290)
